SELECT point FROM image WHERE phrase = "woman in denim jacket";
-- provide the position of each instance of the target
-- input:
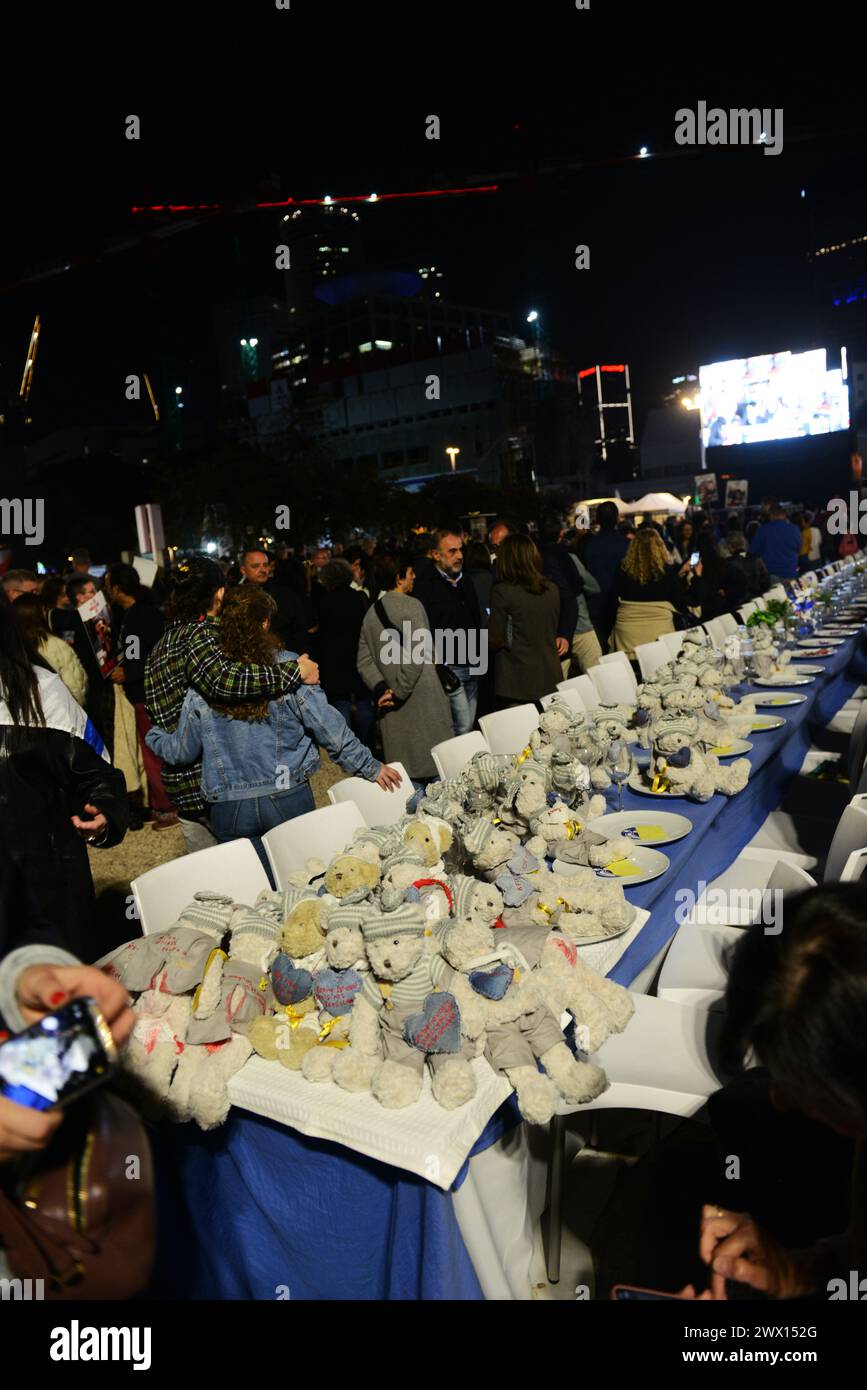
(257, 757)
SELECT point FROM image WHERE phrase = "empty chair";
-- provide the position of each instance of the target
(569, 697)
(650, 656)
(452, 755)
(718, 629)
(586, 689)
(508, 730)
(747, 610)
(855, 867)
(233, 868)
(857, 750)
(850, 835)
(319, 834)
(378, 807)
(696, 969)
(615, 681)
(673, 641)
(777, 591)
(665, 1060)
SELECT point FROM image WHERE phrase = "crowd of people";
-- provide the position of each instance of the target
(231, 676)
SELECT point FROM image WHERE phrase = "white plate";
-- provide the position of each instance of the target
(840, 630)
(805, 670)
(813, 651)
(638, 784)
(733, 749)
(626, 823)
(821, 641)
(764, 722)
(782, 681)
(631, 914)
(778, 701)
(649, 863)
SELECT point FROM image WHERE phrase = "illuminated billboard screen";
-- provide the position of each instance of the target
(783, 395)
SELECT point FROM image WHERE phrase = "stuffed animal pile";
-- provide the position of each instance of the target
(446, 937)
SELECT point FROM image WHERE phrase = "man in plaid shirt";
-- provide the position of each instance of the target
(188, 654)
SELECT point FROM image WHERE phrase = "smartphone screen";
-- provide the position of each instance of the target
(55, 1060)
(694, 558)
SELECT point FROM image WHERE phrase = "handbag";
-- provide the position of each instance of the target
(79, 1216)
(448, 680)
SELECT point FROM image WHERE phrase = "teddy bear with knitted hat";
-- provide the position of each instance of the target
(403, 1021)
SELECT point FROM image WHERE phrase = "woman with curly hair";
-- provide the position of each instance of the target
(258, 756)
(650, 590)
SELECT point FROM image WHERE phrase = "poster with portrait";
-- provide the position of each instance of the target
(737, 491)
(706, 489)
(96, 617)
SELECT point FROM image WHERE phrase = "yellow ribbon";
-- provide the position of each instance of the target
(293, 1017)
(660, 783)
(573, 828)
(327, 1027)
(522, 757)
(543, 907)
(216, 952)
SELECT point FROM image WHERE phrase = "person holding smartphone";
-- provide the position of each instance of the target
(651, 591)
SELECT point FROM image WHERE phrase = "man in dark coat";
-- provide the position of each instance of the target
(452, 607)
(603, 555)
(292, 621)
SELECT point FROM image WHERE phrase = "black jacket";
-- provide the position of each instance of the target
(448, 606)
(335, 645)
(558, 567)
(46, 776)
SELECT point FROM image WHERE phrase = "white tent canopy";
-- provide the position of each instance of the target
(655, 503)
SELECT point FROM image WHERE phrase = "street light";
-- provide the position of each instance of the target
(452, 450)
(533, 316)
(643, 152)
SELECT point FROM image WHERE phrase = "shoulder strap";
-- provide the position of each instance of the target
(379, 609)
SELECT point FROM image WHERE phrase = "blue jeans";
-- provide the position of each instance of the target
(238, 820)
(465, 700)
(365, 717)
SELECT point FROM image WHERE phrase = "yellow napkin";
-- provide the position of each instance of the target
(650, 832)
(622, 868)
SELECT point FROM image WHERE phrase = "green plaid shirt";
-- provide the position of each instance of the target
(189, 654)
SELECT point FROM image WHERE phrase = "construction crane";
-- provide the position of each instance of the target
(30, 364)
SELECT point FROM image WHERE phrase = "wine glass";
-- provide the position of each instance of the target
(619, 766)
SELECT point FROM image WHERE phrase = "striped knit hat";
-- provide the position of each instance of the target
(252, 923)
(210, 912)
(463, 888)
(406, 920)
(477, 832)
(484, 770)
(347, 915)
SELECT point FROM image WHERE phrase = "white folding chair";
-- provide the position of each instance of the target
(850, 835)
(378, 807)
(665, 1060)
(650, 656)
(857, 750)
(233, 868)
(319, 834)
(586, 689)
(718, 629)
(778, 591)
(673, 641)
(695, 970)
(452, 755)
(509, 730)
(856, 867)
(571, 698)
(747, 610)
(615, 681)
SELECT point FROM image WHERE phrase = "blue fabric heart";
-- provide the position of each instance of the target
(515, 890)
(437, 1027)
(492, 984)
(289, 982)
(335, 990)
(681, 758)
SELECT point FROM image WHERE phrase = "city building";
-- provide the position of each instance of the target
(605, 391)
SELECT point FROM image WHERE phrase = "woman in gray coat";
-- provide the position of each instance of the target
(396, 663)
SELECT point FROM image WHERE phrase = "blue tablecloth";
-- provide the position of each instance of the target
(724, 825)
(254, 1210)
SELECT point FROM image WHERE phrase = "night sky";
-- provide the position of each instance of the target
(696, 254)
